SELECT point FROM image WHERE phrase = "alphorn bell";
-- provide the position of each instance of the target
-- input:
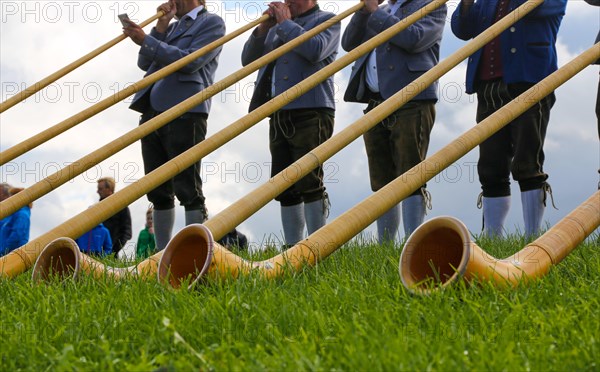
(440, 252)
(327, 239)
(31, 90)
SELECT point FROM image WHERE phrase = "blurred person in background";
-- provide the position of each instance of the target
(15, 230)
(4, 194)
(118, 224)
(146, 244)
(96, 242)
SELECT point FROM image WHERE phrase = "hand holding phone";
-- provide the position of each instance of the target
(123, 17)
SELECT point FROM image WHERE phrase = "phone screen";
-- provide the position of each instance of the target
(122, 18)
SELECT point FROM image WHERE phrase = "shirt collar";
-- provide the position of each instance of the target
(193, 14)
(393, 7)
(309, 12)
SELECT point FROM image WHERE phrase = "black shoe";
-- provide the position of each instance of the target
(234, 238)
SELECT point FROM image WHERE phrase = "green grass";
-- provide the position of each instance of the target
(351, 312)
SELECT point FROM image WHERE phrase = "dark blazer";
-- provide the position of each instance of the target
(297, 65)
(528, 47)
(181, 39)
(403, 58)
(595, 3)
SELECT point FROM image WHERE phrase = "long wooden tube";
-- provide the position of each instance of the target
(62, 176)
(47, 134)
(440, 252)
(327, 239)
(22, 258)
(31, 90)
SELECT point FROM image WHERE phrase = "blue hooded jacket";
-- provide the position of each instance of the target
(15, 230)
(96, 241)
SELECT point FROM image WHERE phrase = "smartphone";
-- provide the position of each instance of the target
(122, 18)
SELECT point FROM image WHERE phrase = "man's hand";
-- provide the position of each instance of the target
(265, 26)
(170, 9)
(134, 31)
(281, 11)
(371, 5)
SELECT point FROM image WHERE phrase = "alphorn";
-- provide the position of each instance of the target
(62, 176)
(188, 249)
(31, 90)
(21, 259)
(47, 134)
(183, 161)
(440, 252)
(258, 198)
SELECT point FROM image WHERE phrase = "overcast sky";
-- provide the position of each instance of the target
(39, 37)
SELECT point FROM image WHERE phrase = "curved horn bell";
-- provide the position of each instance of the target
(441, 251)
(187, 256)
(60, 258)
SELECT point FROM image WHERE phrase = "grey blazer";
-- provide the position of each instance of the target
(295, 66)
(403, 58)
(181, 39)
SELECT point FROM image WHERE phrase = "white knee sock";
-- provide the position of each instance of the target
(413, 213)
(533, 211)
(194, 216)
(316, 214)
(387, 225)
(163, 226)
(292, 219)
(495, 211)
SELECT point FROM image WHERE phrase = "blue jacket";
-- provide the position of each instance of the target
(595, 3)
(15, 231)
(180, 40)
(297, 65)
(401, 59)
(96, 241)
(528, 46)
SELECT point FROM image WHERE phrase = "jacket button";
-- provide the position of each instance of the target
(512, 29)
(285, 77)
(391, 67)
(388, 49)
(513, 50)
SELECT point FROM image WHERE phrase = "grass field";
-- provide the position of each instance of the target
(351, 312)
